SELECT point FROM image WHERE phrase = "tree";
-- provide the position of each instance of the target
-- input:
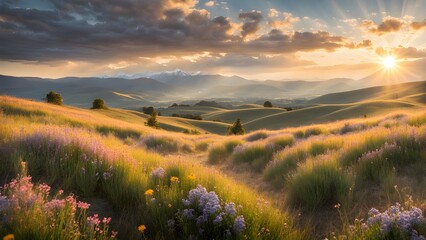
(237, 128)
(148, 110)
(267, 104)
(99, 104)
(54, 98)
(152, 121)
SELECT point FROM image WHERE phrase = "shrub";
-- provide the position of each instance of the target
(118, 132)
(237, 128)
(319, 147)
(202, 146)
(257, 155)
(417, 121)
(231, 144)
(218, 154)
(99, 104)
(257, 136)
(152, 121)
(148, 110)
(347, 128)
(319, 186)
(192, 131)
(282, 141)
(284, 165)
(54, 98)
(267, 104)
(161, 144)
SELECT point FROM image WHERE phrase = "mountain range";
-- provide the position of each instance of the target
(160, 89)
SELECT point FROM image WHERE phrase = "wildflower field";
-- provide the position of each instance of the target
(69, 173)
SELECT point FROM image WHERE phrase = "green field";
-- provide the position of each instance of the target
(310, 173)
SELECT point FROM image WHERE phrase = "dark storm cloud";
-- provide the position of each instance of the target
(107, 29)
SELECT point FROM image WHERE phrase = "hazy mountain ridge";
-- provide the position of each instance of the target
(175, 86)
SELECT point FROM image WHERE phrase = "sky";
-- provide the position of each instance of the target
(255, 39)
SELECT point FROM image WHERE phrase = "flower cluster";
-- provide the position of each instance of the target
(205, 213)
(60, 217)
(396, 218)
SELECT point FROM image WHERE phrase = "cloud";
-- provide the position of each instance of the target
(127, 30)
(286, 22)
(402, 52)
(418, 25)
(273, 12)
(389, 24)
(251, 22)
(209, 4)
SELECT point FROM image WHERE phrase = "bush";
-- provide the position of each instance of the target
(54, 98)
(202, 146)
(237, 128)
(148, 110)
(152, 121)
(231, 144)
(99, 104)
(218, 154)
(257, 136)
(267, 104)
(192, 131)
(283, 166)
(257, 155)
(118, 132)
(320, 186)
(323, 145)
(282, 141)
(161, 144)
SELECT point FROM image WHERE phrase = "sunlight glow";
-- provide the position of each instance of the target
(389, 62)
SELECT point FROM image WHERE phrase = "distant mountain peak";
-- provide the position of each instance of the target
(173, 73)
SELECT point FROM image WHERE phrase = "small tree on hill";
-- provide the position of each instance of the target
(148, 110)
(54, 98)
(267, 104)
(237, 128)
(152, 121)
(99, 104)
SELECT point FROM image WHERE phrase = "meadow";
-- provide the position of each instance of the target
(83, 174)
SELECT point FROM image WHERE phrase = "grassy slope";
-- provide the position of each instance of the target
(373, 93)
(244, 114)
(33, 125)
(167, 123)
(194, 110)
(327, 113)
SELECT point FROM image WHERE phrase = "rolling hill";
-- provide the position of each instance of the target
(380, 93)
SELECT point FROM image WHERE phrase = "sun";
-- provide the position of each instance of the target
(389, 62)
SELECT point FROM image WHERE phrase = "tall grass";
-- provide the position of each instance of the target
(321, 185)
(221, 152)
(257, 155)
(81, 161)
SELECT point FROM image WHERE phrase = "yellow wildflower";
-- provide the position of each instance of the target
(142, 228)
(9, 237)
(149, 192)
(191, 177)
(169, 205)
(174, 179)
